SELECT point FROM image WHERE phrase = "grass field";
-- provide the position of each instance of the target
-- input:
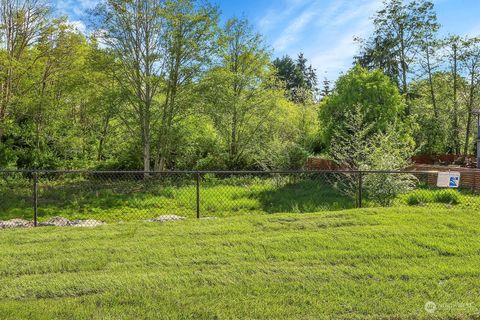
(370, 263)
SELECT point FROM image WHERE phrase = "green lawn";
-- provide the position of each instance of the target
(370, 263)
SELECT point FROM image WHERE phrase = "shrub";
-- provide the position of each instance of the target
(168, 192)
(357, 145)
(418, 198)
(447, 196)
(384, 188)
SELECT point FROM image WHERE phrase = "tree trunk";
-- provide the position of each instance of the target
(431, 84)
(470, 110)
(169, 108)
(39, 113)
(2, 123)
(146, 138)
(233, 142)
(146, 154)
(404, 65)
(433, 99)
(456, 139)
(5, 100)
(103, 137)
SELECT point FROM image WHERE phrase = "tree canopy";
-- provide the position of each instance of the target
(163, 85)
(377, 98)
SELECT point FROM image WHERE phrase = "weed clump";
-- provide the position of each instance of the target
(447, 196)
(423, 197)
(419, 199)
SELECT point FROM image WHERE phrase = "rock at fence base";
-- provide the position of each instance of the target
(166, 218)
(56, 222)
(87, 223)
(15, 223)
(64, 222)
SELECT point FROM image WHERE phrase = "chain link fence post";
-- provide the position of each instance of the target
(35, 198)
(198, 194)
(360, 190)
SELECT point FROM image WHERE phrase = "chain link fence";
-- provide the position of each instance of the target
(87, 198)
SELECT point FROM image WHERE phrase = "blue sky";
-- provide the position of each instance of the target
(322, 29)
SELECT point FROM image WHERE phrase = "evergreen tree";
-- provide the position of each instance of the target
(300, 78)
(326, 89)
(400, 29)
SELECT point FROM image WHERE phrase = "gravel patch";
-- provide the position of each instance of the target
(87, 223)
(15, 224)
(64, 222)
(166, 218)
(54, 222)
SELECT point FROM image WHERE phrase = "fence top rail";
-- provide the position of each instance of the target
(234, 172)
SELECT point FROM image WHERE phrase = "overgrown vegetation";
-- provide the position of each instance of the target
(437, 76)
(178, 91)
(160, 85)
(422, 197)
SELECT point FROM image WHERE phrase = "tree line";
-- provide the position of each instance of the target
(164, 84)
(156, 85)
(438, 76)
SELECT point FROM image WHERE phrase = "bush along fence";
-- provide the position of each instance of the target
(88, 198)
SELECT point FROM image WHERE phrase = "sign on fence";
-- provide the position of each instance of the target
(448, 180)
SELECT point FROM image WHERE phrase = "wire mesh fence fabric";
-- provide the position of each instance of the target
(85, 198)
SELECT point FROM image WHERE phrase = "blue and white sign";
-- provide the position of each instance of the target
(448, 180)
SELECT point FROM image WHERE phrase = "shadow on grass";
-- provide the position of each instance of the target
(16, 203)
(89, 199)
(304, 197)
(121, 200)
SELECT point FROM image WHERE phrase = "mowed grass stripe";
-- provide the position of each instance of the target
(370, 263)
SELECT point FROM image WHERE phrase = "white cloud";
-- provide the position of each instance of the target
(78, 25)
(356, 11)
(338, 57)
(325, 31)
(281, 12)
(77, 8)
(291, 33)
(474, 32)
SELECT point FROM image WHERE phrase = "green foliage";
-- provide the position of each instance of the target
(443, 103)
(419, 198)
(380, 103)
(447, 196)
(388, 151)
(300, 80)
(385, 188)
(433, 134)
(401, 29)
(185, 105)
(188, 93)
(438, 77)
(256, 127)
(362, 124)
